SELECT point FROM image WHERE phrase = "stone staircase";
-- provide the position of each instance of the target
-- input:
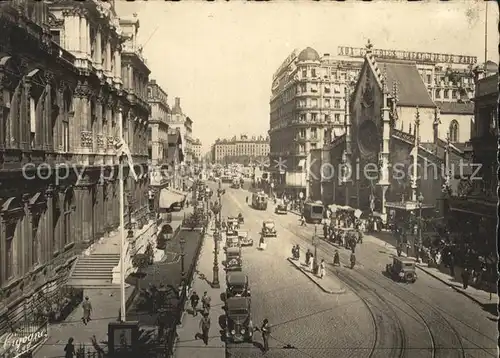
(95, 270)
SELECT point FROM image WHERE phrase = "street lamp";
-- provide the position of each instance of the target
(315, 244)
(216, 209)
(420, 201)
(182, 242)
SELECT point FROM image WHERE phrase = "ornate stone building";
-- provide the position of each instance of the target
(307, 98)
(63, 104)
(394, 143)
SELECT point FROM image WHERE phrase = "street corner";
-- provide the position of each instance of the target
(322, 283)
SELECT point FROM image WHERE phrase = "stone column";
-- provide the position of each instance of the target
(25, 239)
(2, 244)
(100, 213)
(98, 48)
(77, 219)
(83, 36)
(48, 146)
(108, 58)
(88, 42)
(117, 68)
(48, 247)
(130, 77)
(24, 131)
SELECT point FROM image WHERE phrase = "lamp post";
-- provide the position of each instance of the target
(419, 241)
(216, 209)
(182, 242)
(315, 244)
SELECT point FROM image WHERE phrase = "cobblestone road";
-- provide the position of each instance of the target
(315, 323)
(431, 313)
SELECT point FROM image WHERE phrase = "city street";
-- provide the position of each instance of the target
(426, 319)
(317, 324)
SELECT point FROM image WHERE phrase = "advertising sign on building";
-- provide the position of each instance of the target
(19, 344)
(424, 57)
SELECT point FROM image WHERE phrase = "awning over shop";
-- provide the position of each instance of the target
(168, 198)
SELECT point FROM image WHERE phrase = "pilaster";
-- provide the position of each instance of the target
(77, 221)
(48, 247)
(25, 239)
(49, 140)
(2, 247)
(99, 210)
(109, 204)
(24, 117)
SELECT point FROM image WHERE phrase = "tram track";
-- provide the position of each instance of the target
(444, 339)
(432, 324)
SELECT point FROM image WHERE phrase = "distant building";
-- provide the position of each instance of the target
(158, 132)
(178, 119)
(308, 96)
(243, 150)
(196, 146)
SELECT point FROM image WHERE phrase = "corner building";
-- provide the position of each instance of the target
(62, 100)
(308, 97)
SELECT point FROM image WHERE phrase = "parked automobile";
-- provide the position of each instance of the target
(244, 238)
(269, 228)
(232, 241)
(239, 326)
(237, 285)
(233, 259)
(402, 269)
(280, 208)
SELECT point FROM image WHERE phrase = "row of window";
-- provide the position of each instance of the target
(315, 103)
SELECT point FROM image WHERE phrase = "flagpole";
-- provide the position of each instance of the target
(122, 223)
(486, 37)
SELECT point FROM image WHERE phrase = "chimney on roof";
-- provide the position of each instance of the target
(177, 101)
(153, 82)
(326, 55)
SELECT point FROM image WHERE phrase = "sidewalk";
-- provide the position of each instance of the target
(328, 284)
(479, 296)
(187, 346)
(105, 304)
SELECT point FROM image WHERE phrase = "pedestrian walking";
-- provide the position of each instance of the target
(308, 256)
(465, 277)
(194, 303)
(69, 349)
(265, 329)
(311, 262)
(205, 327)
(336, 258)
(322, 269)
(205, 301)
(302, 221)
(87, 310)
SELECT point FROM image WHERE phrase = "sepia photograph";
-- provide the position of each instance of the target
(237, 179)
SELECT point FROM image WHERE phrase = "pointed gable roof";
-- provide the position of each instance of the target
(411, 88)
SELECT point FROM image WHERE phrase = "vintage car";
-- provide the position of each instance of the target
(237, 285)
(402, 269)
(241, 219)
(232, 226)
(280, 208)
(239, 326)
(233, 259)
(269, 228)
(244, 238)
(232, 241)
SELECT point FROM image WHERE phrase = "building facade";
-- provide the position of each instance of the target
(391, 152)
(473, 206)
(308, 96)
(244, 150)
(158, 133)
(197, 151)
(63, 101)
(182, 122)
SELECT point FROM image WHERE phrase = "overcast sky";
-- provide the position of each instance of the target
(220, 57)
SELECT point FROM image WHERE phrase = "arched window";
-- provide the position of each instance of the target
(454, 131)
